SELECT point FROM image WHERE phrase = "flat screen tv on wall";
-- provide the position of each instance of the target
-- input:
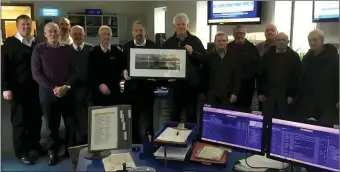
(234, 12)
(325, 11)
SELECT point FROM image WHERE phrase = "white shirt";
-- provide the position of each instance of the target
(139, 45)
(24, 41)
(68, 41)
(76, 46)
(105, 50)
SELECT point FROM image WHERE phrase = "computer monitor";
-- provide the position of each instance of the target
(230, 128)
(305, 144)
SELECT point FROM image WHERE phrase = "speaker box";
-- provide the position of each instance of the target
(160, 38)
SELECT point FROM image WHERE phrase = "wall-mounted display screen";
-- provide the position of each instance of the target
(325, 11)
(50, 12)
(234, 12)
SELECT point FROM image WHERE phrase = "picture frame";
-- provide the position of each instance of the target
(157, 63)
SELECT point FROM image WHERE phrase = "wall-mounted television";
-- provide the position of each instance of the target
(234, 12)
(325, 11)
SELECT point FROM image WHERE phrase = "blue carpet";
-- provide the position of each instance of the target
(11, 163)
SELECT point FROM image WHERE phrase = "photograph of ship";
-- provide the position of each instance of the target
(156, 61)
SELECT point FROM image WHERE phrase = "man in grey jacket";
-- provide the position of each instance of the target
(82, 89)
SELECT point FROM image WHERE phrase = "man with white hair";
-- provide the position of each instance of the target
(54, 69)
(319, 94)
(81, 86)
(106, 65)
(270, 33)
(185, 93)
(279, 83)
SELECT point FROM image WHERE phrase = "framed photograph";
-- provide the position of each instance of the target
(157, 63)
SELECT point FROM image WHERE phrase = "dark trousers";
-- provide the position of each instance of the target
(142, 102)
(53, 111)
(81, 109)
(184, 97)
(245, 97)
(276, 105)
(26, 121)
(99, 99)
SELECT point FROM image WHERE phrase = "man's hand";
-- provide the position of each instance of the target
(7, 95)
(233, 98)
(189, 49)
(104, 89)
(289, 100)
(126, 75)
(60, 91)
(262, 98)
(171, 80)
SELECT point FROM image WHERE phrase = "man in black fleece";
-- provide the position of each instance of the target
(319, 93)
(280, 78)
(21, 90)
(250, 60)
(224, 74)
(139, 93)
(106, 64)
(184, 94)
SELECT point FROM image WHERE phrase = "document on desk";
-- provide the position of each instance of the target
(210, 153)
(104, 129)
(174, 135)
(172, 153)
(115, 162)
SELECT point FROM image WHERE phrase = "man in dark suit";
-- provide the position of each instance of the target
(54, 68)
(19, 88)
(250, 61)
(139, 92)
(184, 94)
(82, 85)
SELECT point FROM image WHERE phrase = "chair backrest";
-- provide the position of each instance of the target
(74, 154)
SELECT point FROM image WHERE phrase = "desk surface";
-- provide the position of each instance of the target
(173, 166)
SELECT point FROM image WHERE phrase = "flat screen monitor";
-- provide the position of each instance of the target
(230, 128)
(325, 11)
(305, 144)
(234, 12)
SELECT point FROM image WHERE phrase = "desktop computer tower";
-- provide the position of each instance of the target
(160, 38)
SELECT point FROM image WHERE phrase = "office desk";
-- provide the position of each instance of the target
(173, 166)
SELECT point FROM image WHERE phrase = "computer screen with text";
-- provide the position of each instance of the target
(231, 128)
(307, 144)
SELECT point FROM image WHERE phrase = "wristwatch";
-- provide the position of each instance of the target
(68, 86)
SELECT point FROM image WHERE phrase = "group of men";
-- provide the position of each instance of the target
(64, 75)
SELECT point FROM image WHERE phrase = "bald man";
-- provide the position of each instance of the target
(82, 85)
(270, 33)
(65, 28)
(281, 67)
(319, 94)
(54, 69)
(106, 65)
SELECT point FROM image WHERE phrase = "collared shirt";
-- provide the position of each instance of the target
(281, 51)
(105, 50)
(68, 41)
(221, 53)
(140, 45)
(76, 46)
(24, 41)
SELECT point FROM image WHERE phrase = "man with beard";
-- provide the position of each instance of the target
(250, 61)
(21, 90)
(82, 85)
(106, 65)
(65, 28)
(54, 68)
(184, 94)
(139, 92)
(319, 93)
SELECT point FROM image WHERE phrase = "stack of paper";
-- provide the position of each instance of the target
(174, 135)
(258, 161)
(172, 153)
(115, 162)
(210, 153)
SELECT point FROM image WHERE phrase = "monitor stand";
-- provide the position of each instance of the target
(95, 155)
